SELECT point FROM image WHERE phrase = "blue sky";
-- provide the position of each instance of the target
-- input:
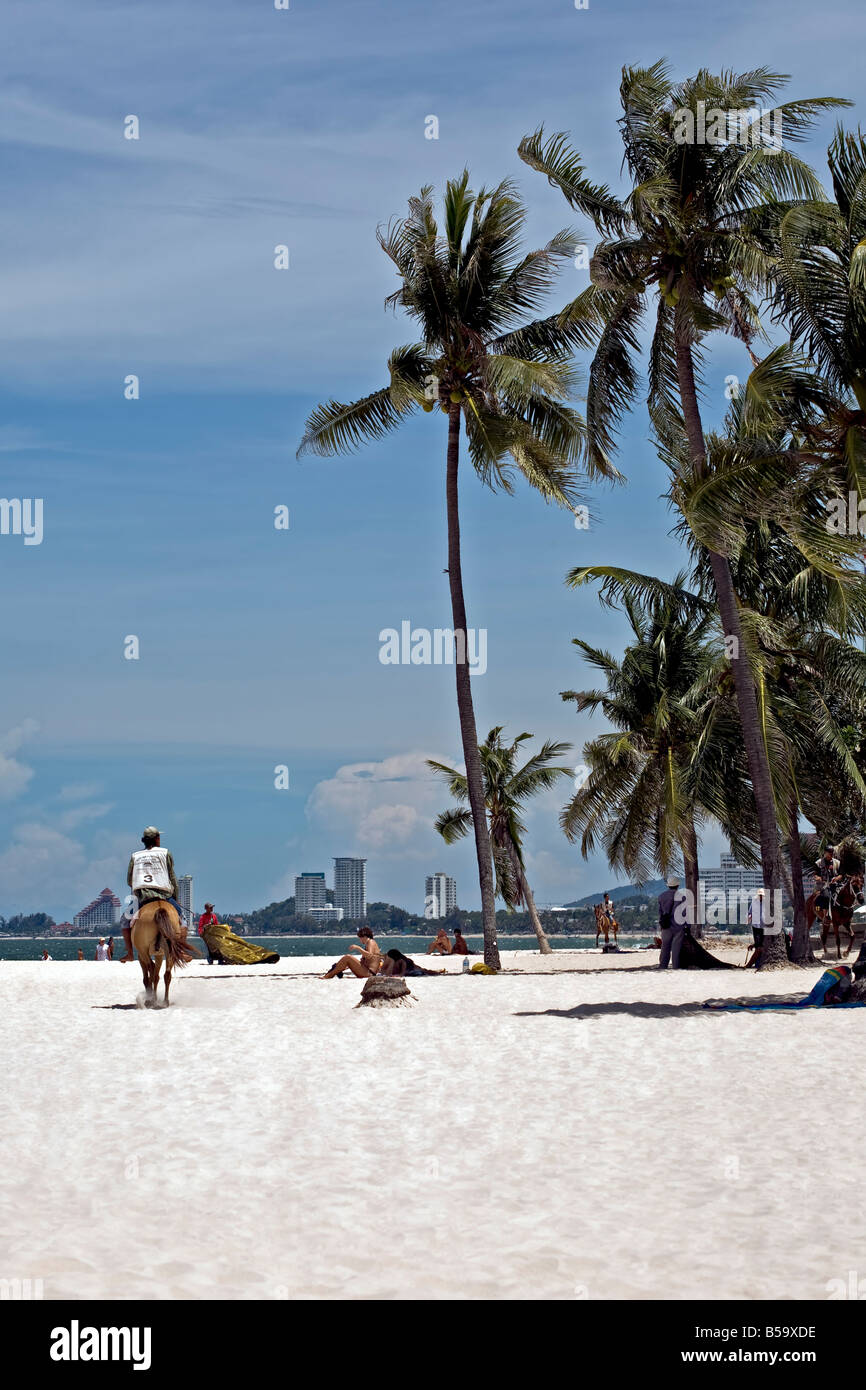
(155, 257)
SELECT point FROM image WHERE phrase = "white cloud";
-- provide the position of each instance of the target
(386, 806)
(15, 775)
(44, 870)
(79, 815)
(79, 791)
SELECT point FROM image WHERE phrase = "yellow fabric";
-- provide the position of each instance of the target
(234, 950)
(481, 970)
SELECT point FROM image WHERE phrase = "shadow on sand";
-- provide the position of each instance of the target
(637, 1009)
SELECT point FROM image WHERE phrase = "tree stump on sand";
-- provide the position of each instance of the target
(388, 993)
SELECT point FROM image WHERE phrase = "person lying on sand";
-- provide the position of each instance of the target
(369, 964)
(395, 963)
(441, 946)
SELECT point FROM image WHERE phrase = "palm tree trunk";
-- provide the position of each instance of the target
(690, 870)
(544, 945)
(466, 711)
(747, 702)
(800, 949)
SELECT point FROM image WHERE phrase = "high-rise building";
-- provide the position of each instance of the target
(185, 898)
(104, 911)
(731, 876)
(310, 892)
(350, 887)
(440, 895)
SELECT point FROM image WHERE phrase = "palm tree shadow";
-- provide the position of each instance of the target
(637, 1009)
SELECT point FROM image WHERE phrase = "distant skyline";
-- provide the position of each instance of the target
(258, 647)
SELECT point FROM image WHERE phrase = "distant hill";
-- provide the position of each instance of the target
(628, 890)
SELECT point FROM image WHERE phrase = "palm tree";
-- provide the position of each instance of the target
(506, 788)
(641, 798)
(507, 379)
(820, 292)
(697, 233)
(811, 683)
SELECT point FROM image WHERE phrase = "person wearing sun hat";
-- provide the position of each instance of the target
(207, 919)
(671, 930)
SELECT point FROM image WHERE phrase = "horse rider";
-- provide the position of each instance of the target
(825, 869)
(151, 876)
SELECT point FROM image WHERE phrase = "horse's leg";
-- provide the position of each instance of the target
(167, 978)
(836, 935)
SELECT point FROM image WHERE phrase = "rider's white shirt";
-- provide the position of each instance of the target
(150, 869)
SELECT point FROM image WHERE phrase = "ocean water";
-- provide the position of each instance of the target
(66, 948)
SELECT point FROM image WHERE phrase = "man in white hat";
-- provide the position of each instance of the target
(672, 924)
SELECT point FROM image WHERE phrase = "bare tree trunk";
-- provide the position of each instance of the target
(690, 872)
(465, 709)
(801, 951)
(747, 703)
(544, 945)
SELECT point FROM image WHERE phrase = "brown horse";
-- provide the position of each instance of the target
(158, 935)
(845, 895)
(605, 922)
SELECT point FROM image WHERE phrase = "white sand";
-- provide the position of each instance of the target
(263, 1139)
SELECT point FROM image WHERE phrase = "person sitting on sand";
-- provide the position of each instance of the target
(369, 964)
(441, 945)
(460, 947)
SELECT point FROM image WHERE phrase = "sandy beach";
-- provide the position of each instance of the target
(565, 1130)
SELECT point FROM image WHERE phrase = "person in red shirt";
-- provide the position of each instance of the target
(207, 919)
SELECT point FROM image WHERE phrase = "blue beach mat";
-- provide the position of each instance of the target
(831, 991)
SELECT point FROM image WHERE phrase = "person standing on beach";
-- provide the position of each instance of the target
(45, 955)
(207, 919)
(80, 954)
(101, 950)
(672, 924)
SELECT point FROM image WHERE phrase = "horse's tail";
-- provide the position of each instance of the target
(175, 947)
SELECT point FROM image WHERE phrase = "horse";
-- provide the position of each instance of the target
(605, 922)
(158, 935)
(844, 897)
